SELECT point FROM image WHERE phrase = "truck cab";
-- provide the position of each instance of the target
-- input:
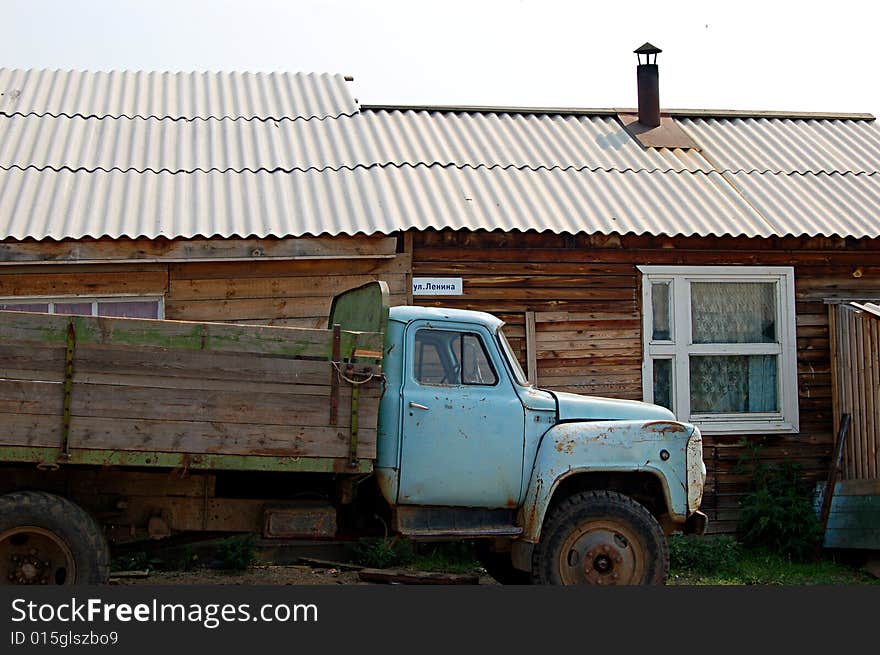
(562, 488)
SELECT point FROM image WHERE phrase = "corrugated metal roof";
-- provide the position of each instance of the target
(367, 139)
(814, 204)
(778, 145)
(186, 96)
(122, 154)
(48, 204)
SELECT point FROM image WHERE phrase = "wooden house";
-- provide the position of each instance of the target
(688, 258)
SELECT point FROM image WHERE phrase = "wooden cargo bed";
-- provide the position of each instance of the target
(94, 390)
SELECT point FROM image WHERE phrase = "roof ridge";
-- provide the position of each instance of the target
(159, 71)
(336, 169)
(614, 111)
(184, 119)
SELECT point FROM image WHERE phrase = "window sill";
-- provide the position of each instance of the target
(746, 427)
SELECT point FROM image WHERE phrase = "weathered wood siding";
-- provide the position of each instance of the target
(280, 282)
(180, 387)
(855, 335)
(285, 282)
(585, 293)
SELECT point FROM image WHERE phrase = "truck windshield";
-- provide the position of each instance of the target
(518, 375)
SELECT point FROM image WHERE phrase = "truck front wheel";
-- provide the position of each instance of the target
(47, 540)
(601, 537)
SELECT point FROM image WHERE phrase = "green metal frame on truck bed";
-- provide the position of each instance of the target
(352, 347)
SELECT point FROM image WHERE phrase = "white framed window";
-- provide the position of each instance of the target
(719, 346)
(121, 306)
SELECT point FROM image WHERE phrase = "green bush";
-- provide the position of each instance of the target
(237, 553)
(382, 553)
(778, 512)
(704, 555)
(186, 560)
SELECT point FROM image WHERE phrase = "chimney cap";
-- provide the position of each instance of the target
(647, 49)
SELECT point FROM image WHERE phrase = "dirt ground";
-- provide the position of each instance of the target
(257, 575)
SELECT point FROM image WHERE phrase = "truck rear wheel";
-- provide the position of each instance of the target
(604, 538)
(47, 540)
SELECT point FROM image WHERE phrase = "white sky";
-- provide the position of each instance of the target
(803, 56)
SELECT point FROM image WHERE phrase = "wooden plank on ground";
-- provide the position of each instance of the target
(391, 576)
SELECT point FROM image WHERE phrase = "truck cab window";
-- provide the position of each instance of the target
(444, 357)
(429, 365)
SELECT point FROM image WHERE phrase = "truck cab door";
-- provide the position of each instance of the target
(463, 423)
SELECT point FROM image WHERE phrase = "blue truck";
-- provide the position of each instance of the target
(412, 421)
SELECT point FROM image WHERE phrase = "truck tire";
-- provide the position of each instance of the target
(46, 539)
(604, 538)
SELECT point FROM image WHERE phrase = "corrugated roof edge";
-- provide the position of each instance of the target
(613, 111)
(735, 234)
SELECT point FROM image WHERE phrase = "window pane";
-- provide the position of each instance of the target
(25, 307)
(475, 365)
(731, 384)
(77, 308)
(733, 312)
(137, 309)
(437, 357)
(429, 368)
(663, 383)
(660, 311)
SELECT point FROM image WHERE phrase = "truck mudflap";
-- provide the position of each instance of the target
(696, 523)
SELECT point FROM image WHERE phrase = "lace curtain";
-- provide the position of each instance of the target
(733, 384)
(733, 313)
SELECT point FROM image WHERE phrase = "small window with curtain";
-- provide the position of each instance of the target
(719, 346)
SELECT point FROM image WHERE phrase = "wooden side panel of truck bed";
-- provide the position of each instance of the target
(94, 390)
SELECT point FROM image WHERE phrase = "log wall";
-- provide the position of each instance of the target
(581, 291)
(288, 282)
(585, 293)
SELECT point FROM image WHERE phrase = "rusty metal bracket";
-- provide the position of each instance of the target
(68, 388)
(355, 406)
(353, 445)
(334, 375)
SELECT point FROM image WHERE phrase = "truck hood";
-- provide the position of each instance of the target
(573, 407)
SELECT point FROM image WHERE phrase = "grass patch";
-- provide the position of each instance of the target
(237, 553)
(724, 561)
(135, 561)
(443, 557)
(452, 557)
(382, 553)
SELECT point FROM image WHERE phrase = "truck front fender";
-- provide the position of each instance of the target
(567, 449)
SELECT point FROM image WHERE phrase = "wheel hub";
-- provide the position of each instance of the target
(601, 553)
(600, 563)
(31, 555)
(29, 569)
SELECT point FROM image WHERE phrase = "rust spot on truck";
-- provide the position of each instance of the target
(566, 447)
(532, 518)
(664, 427)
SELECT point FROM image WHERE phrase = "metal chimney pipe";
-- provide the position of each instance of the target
(648, 79)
